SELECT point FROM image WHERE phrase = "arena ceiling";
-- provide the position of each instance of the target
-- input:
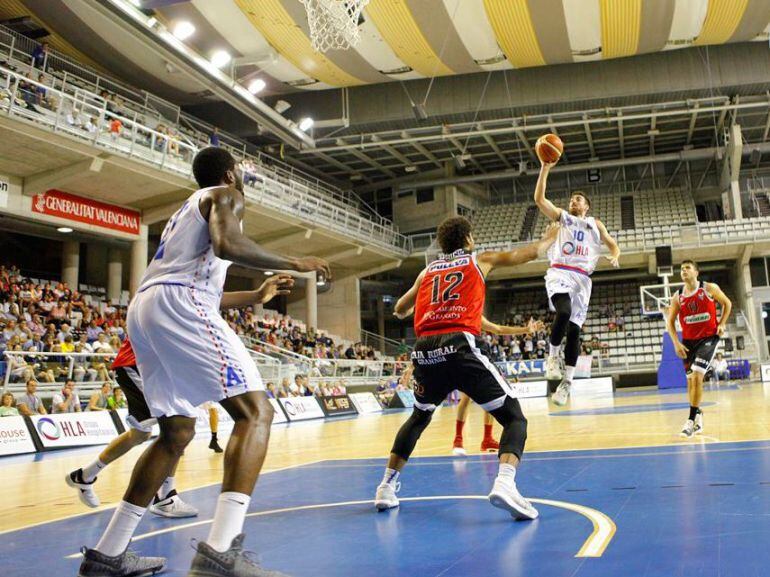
(409, 39)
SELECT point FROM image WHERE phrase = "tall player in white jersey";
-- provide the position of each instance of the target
(573, 258)
(187, 355)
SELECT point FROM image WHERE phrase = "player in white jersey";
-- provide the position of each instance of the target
(187, 354)
(573, 258)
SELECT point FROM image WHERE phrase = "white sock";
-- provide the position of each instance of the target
(120, 530)
(507, 473)
(91, 471)
(168, 485)
(569, 373)
(228, 520)
(390, 477)
(554, 351)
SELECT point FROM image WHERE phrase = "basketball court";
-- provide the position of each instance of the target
(357, 128)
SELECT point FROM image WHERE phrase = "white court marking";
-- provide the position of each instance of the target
(594, 546)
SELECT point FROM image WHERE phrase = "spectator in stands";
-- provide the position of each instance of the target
(214, 138)
(8, 406)
(66, 401)
(39, 55)
(68, 346)
(270, 391)
(93, 331)
(92, 126)
(73, 118)
(529, 347)
(721, 369)
(58, 314)
(30, 403)
(43, 99)
(18, 366)
(116, 127)
(33, 345)
(249, 172)
(117, 400)
(64, 332)
(620, 322)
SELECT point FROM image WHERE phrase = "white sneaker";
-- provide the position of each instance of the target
(561, 396)
(459, 452)
(688, 429)
(173, 507)
(698, 424)
(506, 496)
(552, 369)
(86, 492)
(385, 498)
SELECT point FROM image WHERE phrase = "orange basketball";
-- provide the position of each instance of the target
(549, 148)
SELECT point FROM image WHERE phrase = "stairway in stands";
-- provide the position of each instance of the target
(627, 220)
(764, 204)
(527, 227)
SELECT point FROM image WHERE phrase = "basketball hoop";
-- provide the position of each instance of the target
(333, 23)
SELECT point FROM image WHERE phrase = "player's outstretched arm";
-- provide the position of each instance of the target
(491, 259)
(405, 305)
(546, 206)
(280, 284)
(727, 305)
(229, 242)
(611, 243)
(673, 311)
(531, 327)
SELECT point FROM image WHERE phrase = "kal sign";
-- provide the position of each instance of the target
(72, 207)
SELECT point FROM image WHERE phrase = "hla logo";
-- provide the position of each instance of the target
(53, 431)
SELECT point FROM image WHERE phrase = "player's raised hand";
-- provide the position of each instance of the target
(313, 263)
(720, 330)
(280, 284)
(681, 350)
(534, 326)
(614, 261)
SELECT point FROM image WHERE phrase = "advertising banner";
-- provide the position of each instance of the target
(79, 209)
(765, 373)
(599, 386)
(14, 437)
(528, 389)
(365, 403)
(302, 408)
(522, 369)
(279, 416)
(75, 429)
(338, 405)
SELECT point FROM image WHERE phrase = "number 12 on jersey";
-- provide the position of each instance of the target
(450, 283)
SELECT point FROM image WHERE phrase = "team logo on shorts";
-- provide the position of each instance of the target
(568, 248)
(233, 378)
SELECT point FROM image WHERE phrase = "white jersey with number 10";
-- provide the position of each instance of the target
(578, 244)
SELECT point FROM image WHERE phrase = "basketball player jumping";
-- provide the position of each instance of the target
(696, 308)
(488, 442)
(568, 281)
(447, 300)
(187, 354)
(166, 503)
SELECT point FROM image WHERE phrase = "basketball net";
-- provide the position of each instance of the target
(333, 23)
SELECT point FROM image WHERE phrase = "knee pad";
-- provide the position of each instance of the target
(514, 427)
(410, 432)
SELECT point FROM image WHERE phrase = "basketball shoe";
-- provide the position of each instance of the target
(561, 396)
(552, 369)
(235, 562)
(489, 446)
(688, 430)
(385, 498)
(458, 449)
(85, 490)
(127, 564)
(506, 496)
(173, 507)
(698, 424)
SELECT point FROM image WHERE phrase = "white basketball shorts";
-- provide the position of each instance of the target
(186, 352)
(576, 284)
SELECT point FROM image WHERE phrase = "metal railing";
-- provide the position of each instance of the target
(72, 366)
(85, 116)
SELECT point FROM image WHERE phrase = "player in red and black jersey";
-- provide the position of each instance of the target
(695, 307)
(447, 300)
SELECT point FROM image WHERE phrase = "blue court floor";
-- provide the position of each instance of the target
(694, 511)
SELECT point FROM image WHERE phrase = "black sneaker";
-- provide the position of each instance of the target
(235, 562)
(86, 492)
(214, 446)
(127, 564)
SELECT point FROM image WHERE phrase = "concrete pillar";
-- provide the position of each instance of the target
(70, 263)
(311, 300)
(139, 259)
(114, 275)
(745, 294)
(339, 310)
(381, 321)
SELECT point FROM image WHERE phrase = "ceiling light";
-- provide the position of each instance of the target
(152, 21)
(306, 123)
(183, 30)
(256, 86)
(269, 273)
(281, 106)
(220, 58)
(410, 168)
(64, 229)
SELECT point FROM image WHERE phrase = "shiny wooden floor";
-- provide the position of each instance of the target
(35, 493)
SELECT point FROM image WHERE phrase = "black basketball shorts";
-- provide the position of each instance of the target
(130, 381)
(443, 363)
(700, 353)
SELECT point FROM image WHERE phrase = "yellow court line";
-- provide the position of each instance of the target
(108, 507)
(594, 546)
